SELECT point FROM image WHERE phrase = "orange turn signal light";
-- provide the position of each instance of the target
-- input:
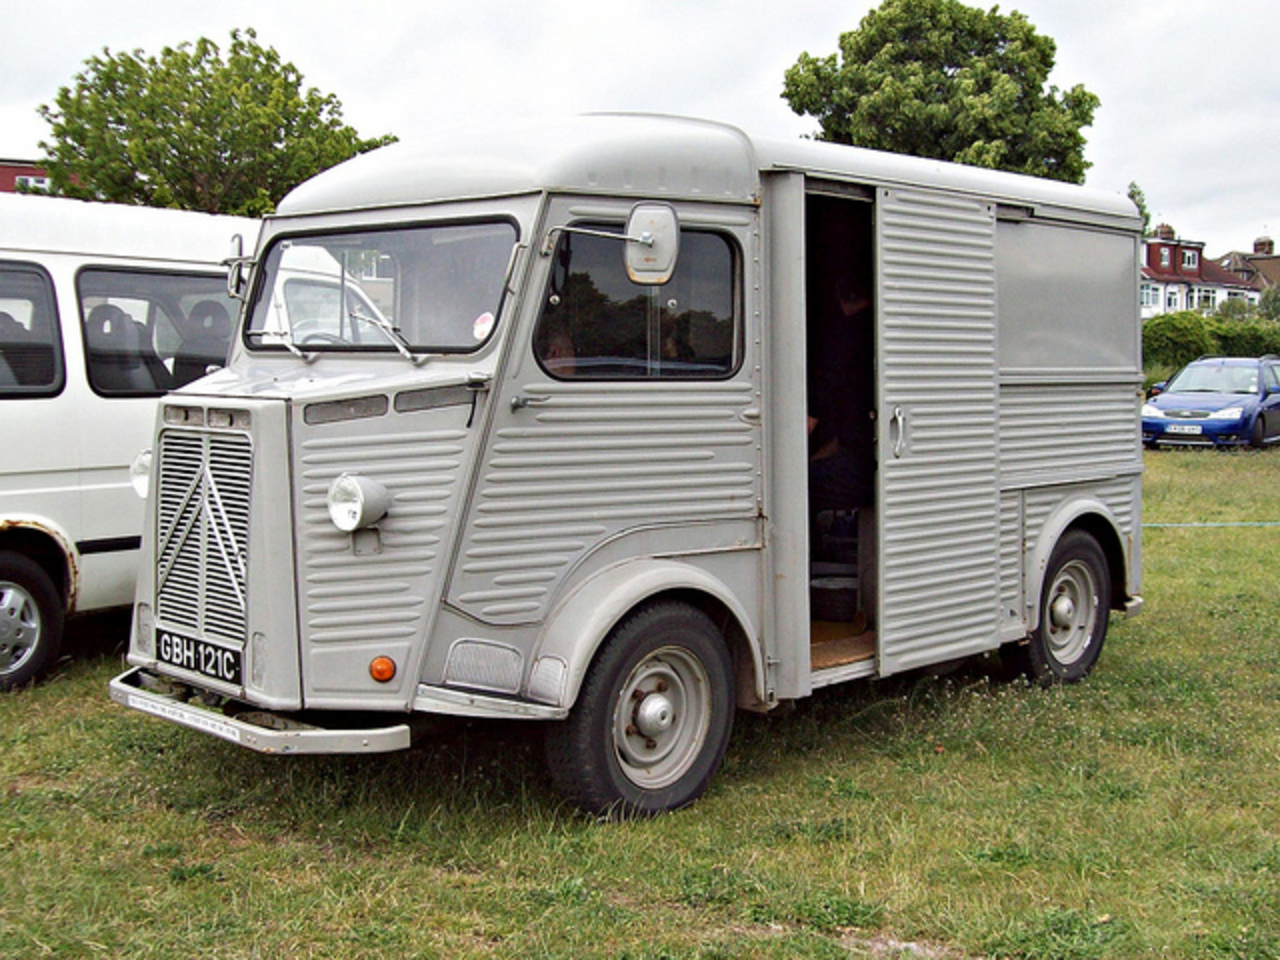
(382, 669)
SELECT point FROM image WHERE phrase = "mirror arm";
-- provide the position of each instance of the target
(548, 244)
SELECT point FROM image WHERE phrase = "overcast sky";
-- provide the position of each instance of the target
(1190, 89)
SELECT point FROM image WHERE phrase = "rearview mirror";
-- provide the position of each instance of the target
(235, 265)
(652, 243)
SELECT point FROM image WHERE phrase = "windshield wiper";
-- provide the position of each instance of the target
(285, 339)
(389, 331)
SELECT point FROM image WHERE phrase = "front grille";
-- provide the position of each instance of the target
(1186, 414)
(202, 533)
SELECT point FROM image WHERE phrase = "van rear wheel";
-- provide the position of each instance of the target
(1074, 609)
(31, 620)
(653, 718)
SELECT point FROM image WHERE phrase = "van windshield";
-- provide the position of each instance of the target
(435, 288)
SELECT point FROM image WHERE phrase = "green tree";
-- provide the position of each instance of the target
(1140, 201)
(937, 78)
(190, 130)
(1269, 303)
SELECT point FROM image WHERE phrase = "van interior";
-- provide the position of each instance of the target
(840, 350)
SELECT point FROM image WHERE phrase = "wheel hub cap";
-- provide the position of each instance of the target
(654, 715)
(1064, 611)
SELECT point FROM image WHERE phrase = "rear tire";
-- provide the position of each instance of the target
(31, 620)
(653, 718)
(1074, 608)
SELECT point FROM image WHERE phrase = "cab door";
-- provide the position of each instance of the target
(938, 517)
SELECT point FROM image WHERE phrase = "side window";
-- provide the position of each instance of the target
(30, 344)
(1273, 377)
(147, 332)
(597, 324)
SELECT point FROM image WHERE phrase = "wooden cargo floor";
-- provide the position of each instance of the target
(835, 644)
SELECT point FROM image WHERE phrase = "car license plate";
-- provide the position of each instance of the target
(199, 656)
(1191, 429)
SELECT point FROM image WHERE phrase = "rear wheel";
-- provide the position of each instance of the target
(653, 717)
(31, 620)
(1074, 608)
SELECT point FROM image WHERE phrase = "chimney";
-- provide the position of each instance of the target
(1165, 232)
(1264, 246)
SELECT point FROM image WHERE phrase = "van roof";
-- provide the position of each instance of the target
(645, 155)
(30, 225)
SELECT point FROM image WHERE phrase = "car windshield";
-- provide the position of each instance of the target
(1215, 378)
(435, 289)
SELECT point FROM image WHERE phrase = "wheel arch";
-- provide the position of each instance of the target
(1094, 518)
(579, 625)
(50, 547)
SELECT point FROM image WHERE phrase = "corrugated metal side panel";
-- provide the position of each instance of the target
(1068, 432)
(351, 596)
(1120, 496)
(939, 522)
(586, 462)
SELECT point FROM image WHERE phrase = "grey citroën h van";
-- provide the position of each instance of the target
(518, 425)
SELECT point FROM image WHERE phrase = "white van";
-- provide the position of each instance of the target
(667, 421)
(103, 308)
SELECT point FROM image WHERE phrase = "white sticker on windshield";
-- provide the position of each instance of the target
(483, 326)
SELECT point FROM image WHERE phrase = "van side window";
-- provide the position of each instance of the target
(30, 345)
(146, 332)
(597, 324)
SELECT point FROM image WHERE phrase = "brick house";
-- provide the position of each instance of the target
(1260, 268)
(1177, 276)
(24, 172)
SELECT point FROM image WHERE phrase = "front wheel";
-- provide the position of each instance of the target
(653, 717)
(31, 620)
(1258, 435)
(1074, 608)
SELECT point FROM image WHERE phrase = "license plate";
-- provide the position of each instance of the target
(1193, 429)
(199, 656)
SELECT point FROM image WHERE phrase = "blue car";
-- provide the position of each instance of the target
(1216, 401)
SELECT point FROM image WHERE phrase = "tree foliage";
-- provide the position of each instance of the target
(937, 78)
(191, 130)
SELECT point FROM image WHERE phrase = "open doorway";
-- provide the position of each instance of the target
(841, 396)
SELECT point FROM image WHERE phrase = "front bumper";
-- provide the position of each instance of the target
(1194, 433)
(264, 732)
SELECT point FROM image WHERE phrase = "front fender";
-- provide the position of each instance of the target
(35, 526)
(581, 622)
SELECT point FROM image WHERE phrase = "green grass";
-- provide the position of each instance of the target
(1134, 815)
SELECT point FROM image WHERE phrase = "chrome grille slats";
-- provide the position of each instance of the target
(202, 529)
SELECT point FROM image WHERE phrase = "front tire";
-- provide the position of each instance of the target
(31, 620)
(1074, 608)
(1258, 434)
(653, 718)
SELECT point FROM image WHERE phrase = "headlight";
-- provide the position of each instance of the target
(1152, 412)
(140, 474)
(357, 502)
(1227, 413)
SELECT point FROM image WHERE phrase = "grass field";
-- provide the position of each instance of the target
(1134, 815)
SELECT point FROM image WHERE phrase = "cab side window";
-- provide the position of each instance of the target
(30, 344)
(598, 325)
(147, 332)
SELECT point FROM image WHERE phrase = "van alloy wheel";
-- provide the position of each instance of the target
(31, 620)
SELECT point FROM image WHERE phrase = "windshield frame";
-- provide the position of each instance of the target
(257, 336)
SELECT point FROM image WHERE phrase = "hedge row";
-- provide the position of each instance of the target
(1173, 339)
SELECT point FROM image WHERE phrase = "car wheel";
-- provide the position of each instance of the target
(1074, 609)
(653, 717)
(1258, 435)
(31, 620)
